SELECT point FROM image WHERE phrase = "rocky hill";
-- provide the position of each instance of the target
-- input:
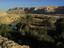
(47, 28)
(38, 10)
(9, 18)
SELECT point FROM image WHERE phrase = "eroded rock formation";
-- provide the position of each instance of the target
(38, 10)
(6, 43)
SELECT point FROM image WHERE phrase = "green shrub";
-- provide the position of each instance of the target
(5, 28)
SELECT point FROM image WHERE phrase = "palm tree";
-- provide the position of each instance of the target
(23, 26)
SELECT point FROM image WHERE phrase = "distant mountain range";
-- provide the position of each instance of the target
(37, 10)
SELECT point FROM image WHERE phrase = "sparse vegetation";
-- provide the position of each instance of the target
(47, 30)
(5, 28)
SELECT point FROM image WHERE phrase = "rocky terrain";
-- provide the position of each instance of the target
(6, 43)
(32, 28)
(37, 10)
(48, 29)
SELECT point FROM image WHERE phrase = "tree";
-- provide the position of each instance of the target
(23, 26)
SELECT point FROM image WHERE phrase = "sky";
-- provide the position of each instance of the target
(5, 4)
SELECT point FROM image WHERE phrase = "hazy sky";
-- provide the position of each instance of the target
(5, 4)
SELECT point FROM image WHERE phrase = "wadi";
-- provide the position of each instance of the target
(32, 27)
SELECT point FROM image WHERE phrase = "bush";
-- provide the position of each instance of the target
(5, 28)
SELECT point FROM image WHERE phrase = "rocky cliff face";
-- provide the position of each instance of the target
(37, 25)
(44, 28)
(38, 10)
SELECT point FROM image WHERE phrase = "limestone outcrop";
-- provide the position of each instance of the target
(6, 43)
(37, 10)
